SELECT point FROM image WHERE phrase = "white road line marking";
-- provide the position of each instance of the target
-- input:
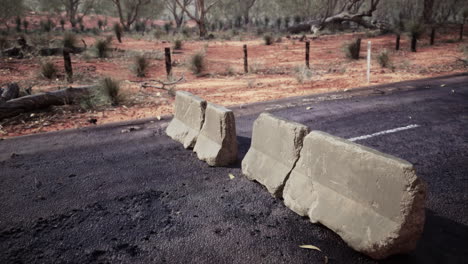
(390, 131)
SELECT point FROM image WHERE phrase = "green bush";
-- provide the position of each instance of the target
(303, 74)
(48, 70)
(352, 49)
(25, 25)
(268, 39)
(69, 40)
(384, 59)
(62, 23)
(47, 25)
(197, 63)
(101, 48)
(140, 66)
(111, 89)
(415, 29)
(178, 44)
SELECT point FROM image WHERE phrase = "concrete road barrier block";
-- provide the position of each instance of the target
(275, 148)
(217, 142)
(375, 202)
(188, 119)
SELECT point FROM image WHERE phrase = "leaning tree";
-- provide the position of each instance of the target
(129, 11)
(202, 8)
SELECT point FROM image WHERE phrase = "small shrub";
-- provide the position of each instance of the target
(62, 23)
(384, 59)
(100, 24)
(118, 32)
(268, 39)
(48, 70)
(109, 39)
(25, 25)
(101, 48)
(186, 32)
(415, 29)
(178, 44)
(141, 65)
(197, 63)
(230, 71)
(111, 89)
(69, 40)
(47, 25)
(353, 49)
(303, 74)
(464, 49)
(167, 27)
(3, 42)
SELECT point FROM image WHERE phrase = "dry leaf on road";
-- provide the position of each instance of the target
(310, 247)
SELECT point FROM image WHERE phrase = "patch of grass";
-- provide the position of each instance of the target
(178, 44)
(107, 92)
(140, 66)
(48, 70)
(268, 40)
(197, 63)
(69, 40)
(256, 67)
(464, 49)
(101, 48)
(303, 74)
(47, 25)
(230, 71)
(384, 59)
(352, 49)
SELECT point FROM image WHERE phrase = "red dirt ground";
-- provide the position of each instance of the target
(224, 82)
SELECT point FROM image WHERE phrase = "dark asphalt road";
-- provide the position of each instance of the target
(102, 196)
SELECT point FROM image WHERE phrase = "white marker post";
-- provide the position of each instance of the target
(368, 60)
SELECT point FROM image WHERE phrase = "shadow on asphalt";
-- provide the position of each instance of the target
(443, 241)
(244, 146)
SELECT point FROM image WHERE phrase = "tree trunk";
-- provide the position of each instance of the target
(167, 52)
(397, 46)
(246, 60)
(68, 65)
(202, 28)
(414, 42)
(462, 27)
(40, 101)
(433, 33)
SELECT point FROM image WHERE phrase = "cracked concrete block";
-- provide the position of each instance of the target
(217, 142)
(188, 119)
(275, 148)
(374, 201)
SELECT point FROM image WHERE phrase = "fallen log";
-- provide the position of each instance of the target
(40, 101)
(9, 92)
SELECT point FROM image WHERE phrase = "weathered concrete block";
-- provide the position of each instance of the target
(188, 119)
(217, 142)
(375, 202)
(275, 148)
